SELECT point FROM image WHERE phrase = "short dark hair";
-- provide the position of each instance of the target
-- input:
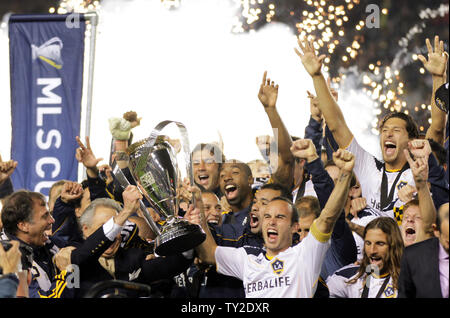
(411, 126)
(214, 150)
(242, 165)
(294, 212)
(308, 205)
(18, 207)
(278, 187)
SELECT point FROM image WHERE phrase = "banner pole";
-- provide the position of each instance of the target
(93, 19)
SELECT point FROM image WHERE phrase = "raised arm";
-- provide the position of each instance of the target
(267, 95)
(345, 161)
(327, 104)
(323, 184)
(437, 66)
(419, 169)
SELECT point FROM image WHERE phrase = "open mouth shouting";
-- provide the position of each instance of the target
(272, 235)
(254, 220)
(376, 260)
(389, 148)
(231, 191)
(410, 233)
(203, 179)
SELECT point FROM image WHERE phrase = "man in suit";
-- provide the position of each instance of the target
(424, 266)
(105, 254)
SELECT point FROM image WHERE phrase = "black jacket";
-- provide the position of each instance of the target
(419, 272)
(130, 264)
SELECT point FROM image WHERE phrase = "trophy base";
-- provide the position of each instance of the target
(178, 237)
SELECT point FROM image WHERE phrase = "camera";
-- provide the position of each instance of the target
(26, 251)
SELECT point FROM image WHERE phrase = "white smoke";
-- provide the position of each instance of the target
(187, 65)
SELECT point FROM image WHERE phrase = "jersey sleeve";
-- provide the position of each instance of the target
(312, 250)
(231, 261)
(365, 163)
(337, 286)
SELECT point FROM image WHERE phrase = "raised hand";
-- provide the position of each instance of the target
(420, 148)
(268, 92)
(6, 169)
(357, 205)
(62, 259)
(107, 171)
(85, 155)
(304, 149)
(71, 191)
(406, 193)
(344, 160)
(183, 192)
(437, 58)
(314, 109)
(309, 58)
(131, 196)
(419, 168)
(195, 213)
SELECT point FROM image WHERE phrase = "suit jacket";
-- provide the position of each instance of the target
(419, 272)
(130, 263)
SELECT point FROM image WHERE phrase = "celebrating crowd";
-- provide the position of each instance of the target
(320, 217)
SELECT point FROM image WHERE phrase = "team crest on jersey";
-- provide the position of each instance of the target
(401, 185)
(277, 266)
(389, 292)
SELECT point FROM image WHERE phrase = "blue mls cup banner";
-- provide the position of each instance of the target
(46, 65)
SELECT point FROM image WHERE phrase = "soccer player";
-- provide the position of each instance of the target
(378, 274)
(282, 270)
(380, 181)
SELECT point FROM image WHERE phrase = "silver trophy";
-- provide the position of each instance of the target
(153, 163)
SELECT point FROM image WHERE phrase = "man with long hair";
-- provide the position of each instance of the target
(377, 276)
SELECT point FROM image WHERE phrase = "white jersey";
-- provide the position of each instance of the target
(309, 190)
(369, 171)
(339, 287)
(292, 273)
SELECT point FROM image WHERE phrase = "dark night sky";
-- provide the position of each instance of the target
(26, 6)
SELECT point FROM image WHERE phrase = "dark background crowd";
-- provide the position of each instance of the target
(323, 189)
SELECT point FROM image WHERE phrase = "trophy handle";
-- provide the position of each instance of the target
(185, 145)
(120, 177)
